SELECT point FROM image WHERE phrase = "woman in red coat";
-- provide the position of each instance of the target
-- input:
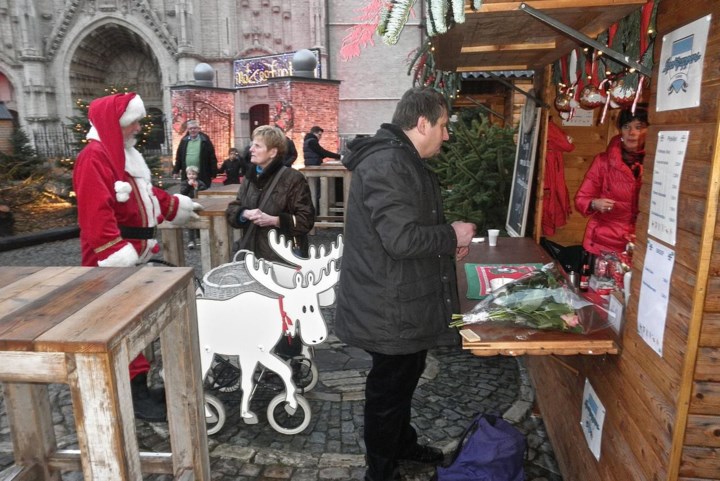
(611, 187)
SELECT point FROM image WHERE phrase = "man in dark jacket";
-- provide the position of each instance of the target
(397, 291)
(314, 155)
(196, 149)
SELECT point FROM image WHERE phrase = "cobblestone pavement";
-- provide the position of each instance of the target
(456, 385)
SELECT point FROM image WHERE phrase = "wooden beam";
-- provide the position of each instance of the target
(509, 6)
(485, 68)
(508, 47)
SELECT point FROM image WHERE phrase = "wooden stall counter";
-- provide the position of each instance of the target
(487, 339)
(219, 190)
(216, 235)
(326, 171)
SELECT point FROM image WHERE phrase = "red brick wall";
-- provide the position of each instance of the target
(313, 102)
(213, 108)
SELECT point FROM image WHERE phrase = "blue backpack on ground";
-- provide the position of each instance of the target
(490, 449)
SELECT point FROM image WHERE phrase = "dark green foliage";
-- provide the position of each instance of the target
(475, 169)
(22, 161)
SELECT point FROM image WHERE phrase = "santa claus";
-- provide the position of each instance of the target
(119, 209)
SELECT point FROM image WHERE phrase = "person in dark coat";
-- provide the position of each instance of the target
(397, 291)
(610, 190)
(288, 208)
(196, 149)
(232, 167)
(314, 154)
(291, 153)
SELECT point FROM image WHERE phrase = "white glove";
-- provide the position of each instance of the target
(196, 207)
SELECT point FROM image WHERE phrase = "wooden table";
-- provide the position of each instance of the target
(82, 326)
(329, 169)
(219, 190)
(490, 340)
(216, 235)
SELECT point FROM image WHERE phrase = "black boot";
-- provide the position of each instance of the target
(147, 408)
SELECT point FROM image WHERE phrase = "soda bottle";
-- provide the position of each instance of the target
(585, 272)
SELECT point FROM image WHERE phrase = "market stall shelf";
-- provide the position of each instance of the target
(489, 339)
(82, 326)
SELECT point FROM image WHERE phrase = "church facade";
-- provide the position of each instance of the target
(54, 52)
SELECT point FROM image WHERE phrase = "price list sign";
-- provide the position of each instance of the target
(669, 159)
(655, 294)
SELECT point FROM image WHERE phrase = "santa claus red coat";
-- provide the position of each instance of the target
(118, 207)
(117, 203)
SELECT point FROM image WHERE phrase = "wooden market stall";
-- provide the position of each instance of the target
(662, 419)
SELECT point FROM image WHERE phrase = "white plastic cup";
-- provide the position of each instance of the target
(492, 237)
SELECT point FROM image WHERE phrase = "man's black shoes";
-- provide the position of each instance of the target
(148, 404)
(424, 454)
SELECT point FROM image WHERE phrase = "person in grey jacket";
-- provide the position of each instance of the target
(397, 290)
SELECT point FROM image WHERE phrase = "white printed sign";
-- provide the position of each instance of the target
(669, 159)
(655, 294)
(592, 419)
(681, 66)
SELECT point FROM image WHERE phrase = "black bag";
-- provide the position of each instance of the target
(569, 257)
(490, 449)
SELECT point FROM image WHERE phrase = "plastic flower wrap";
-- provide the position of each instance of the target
(539, 300)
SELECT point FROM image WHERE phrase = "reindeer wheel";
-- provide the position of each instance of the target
(284, 419)
(214, 414)
(305, 373)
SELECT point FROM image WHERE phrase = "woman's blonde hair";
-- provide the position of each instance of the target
(273, 137)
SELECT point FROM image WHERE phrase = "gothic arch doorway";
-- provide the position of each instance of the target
(112, 55)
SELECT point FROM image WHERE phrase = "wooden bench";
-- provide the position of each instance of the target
(82, 326)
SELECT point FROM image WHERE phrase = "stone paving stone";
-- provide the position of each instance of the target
(455, 387)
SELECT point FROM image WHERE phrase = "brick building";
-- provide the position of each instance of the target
(53, 53)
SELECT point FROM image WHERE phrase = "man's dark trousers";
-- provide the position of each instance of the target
(389, 390)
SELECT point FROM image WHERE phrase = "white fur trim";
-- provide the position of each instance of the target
(122, 191)
(125, 257)
(185, 210)
(136, 167)
(133, 112)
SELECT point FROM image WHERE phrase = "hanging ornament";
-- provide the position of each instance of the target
(591, 97)
(563, 101)
(621, 95)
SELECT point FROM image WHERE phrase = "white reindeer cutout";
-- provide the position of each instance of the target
(250, 324)
(315, 263)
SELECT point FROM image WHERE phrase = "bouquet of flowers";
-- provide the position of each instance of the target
(539, 300)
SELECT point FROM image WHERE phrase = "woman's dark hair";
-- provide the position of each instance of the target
(626, 116)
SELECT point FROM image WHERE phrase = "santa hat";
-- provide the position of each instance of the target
(134, 111)
(108, 115)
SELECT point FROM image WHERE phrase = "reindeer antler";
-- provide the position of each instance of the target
(261, 271)
(315, 263)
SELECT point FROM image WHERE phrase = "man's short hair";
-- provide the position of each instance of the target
(316, 130)
(192, 123)
(273, 137)
(419, 102)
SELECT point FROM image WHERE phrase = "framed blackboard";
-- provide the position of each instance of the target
(524, 170)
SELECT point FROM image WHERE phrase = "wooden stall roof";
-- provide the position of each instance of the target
(501, 36)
